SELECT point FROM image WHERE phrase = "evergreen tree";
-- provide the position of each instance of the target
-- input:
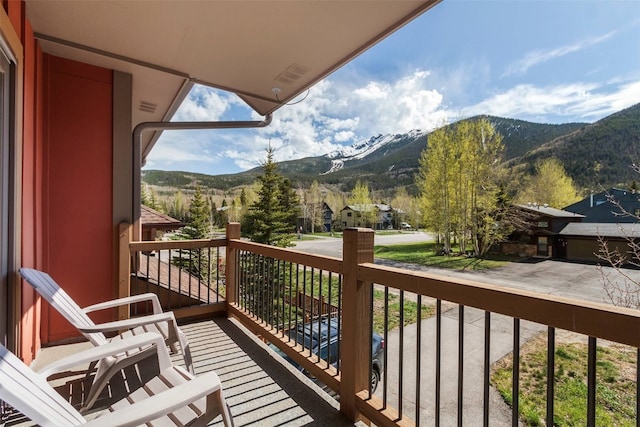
(215, 216)
(198, 226)
(198, 216)
(144, 194)
(243, 198)
(271, 218)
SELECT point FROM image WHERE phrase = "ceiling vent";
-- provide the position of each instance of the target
(148, 107)
(292, 74)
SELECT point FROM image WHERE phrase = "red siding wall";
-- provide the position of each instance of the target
(77, 186)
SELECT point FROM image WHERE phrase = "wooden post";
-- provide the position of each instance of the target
(124, 267)
(233, 232)
(356, 319)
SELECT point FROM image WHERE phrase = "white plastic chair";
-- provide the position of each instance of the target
(173, 393)
(158, 322)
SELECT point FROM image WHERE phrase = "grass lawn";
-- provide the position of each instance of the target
(615, 389)
(424, 254)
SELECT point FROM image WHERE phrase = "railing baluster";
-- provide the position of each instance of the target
(371, 342)
(551, 378)
(218, 264)
(460, 363)
(418, 358)
(282, 267)
(168, 299)
(515, 393)
(243, 270)
(591, 383)
(385, 326)
(339, 320)
(311, 299)
(487, 367)
(400, 353)
(254, 285)
(304, 296)
(438, 360)
(297, 294)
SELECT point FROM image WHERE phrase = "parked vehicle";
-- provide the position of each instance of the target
(405, 226)
(321, 337)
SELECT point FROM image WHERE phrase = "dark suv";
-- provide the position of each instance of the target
(321, 337)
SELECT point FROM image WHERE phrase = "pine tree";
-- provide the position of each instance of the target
(198, 226)
(271, 218)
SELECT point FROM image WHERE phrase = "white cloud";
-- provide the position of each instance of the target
(339, 112)
(583, 100)
(203, 104)
(536, 57)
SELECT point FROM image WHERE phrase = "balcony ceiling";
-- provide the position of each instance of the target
(246, 47)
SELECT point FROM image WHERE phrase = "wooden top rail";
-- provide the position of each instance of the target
(325, 263)
(598, 320)
(176, 244)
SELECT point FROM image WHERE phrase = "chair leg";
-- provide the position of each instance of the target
(224, 409)
(186, 352)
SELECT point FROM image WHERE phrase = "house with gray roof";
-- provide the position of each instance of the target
(540, 236)
(374, 215)
(599, 207)
(582, 240)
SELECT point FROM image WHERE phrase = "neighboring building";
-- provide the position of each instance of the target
(305, 220)
(356, 216)
(155, 223)
(599, 208)
(582, 239)
(327, 217)
(541, 239)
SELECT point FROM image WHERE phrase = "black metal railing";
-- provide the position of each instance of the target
(183, 274)
(444, 337)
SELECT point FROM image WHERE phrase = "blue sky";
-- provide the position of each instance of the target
(541, 61)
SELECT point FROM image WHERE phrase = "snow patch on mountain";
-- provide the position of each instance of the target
(363, 148)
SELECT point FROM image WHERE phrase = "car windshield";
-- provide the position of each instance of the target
(313, 334)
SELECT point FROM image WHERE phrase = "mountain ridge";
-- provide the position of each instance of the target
(391, 160)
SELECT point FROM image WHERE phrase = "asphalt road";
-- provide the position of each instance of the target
(579, 281)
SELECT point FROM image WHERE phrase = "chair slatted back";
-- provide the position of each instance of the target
(61, 301)
(30, 394)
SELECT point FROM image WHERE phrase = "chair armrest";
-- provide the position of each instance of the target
(113, 348)
(157, 309)
(162, 403)
(119, 325)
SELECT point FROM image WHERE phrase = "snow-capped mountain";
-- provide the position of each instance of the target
(361, 149)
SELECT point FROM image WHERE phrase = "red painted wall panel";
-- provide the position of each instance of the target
(77, 186)
(15, 10)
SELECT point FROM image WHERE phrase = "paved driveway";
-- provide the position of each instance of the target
(574, 280)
